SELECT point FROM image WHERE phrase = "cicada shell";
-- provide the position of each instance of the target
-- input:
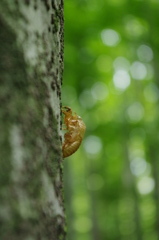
(75, 132)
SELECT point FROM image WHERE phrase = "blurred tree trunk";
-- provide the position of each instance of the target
(31, 66)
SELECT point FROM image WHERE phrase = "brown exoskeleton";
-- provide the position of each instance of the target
(75, 132)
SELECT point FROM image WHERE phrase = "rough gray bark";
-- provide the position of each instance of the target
(31, 66)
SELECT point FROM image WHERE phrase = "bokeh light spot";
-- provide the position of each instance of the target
(121, 79)
(135, 27)
(145, 53)
(83, 224)
(138, 166)
(121, 63)
(135, 112)
(92, 144)
(110, 37)
(145, 185)
(99, 91)
(80, 204)
(138, 70)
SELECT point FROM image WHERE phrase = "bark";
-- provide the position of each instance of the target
(31, 66)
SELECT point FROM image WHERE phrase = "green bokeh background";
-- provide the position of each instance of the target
(111, 80)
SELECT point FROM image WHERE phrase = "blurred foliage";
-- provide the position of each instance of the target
(111, 79)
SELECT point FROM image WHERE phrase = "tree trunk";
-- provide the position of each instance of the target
(31, 66)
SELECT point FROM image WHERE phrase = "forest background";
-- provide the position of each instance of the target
(111, 79)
